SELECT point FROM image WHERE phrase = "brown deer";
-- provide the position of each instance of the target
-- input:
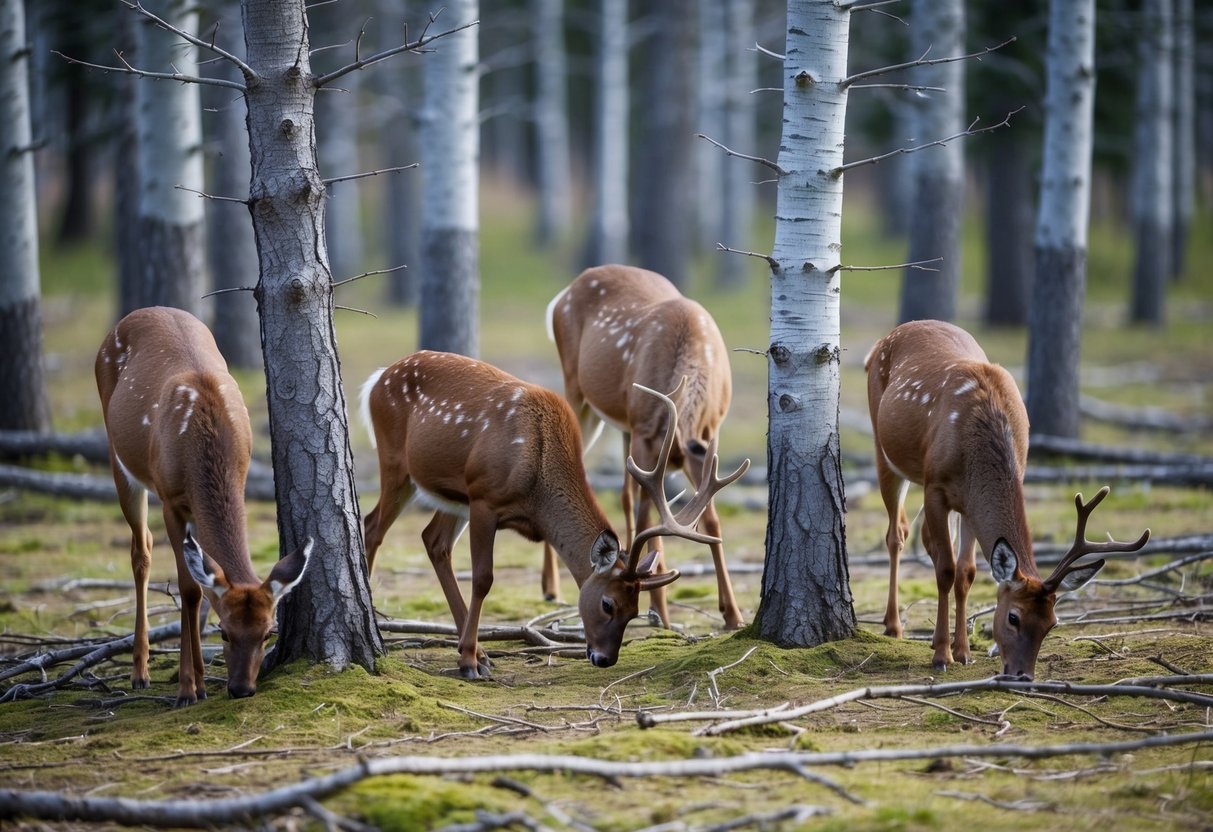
(619, 326)
(947, 419)
(489, 451)
(178, 427)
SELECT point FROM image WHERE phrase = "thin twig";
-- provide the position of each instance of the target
(212, 196)
(771, 261)
(245, 69)
(921, 265)
(922, 61)
(415, 46)
(729, 152)
(159, 76)
(214, 292)
(367, 274)
(336, 179)
(970, 131)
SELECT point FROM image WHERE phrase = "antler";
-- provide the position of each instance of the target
(683, 523)
(1082, 546)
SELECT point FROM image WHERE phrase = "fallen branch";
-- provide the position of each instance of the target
(260, 485)
(768, 716)
(15, 803)
(1078, 449)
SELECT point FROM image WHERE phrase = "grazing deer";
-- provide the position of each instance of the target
(489, 451)
(947, 419)
(178, 427)
(619, 326)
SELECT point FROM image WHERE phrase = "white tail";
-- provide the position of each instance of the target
(947, 419)
(178, 426)
(490, 451)
(619, 326)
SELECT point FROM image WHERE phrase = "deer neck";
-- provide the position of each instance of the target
(571, 525)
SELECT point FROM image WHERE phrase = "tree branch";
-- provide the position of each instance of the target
(365, 174)
(415, 46)
(250, 77)
(764, 162)
(771, 261)
(917, 264)
(126, 68)
(970, 131)
(212, 196)
(923, 61)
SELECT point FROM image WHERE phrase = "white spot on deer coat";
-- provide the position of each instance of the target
(967, 385)
(519, 440)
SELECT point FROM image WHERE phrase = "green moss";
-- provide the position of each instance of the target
(411, 803)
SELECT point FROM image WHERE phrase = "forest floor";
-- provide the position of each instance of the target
(65, 580)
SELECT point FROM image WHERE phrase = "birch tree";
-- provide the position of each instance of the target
(450, 151)
(806, 597)
(1055, 320)
(1151, 197)
(172, 261)
(1184, 127)
(551, 121)
(23, 402)
(937, 28)
(609, 221)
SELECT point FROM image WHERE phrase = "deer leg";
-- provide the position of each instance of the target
(938, 543)
(396, 488)
(966, 570)
(439, 537)
(473, 661)
(133, 501)
(551, 574)
(893, 491)
(191, 677)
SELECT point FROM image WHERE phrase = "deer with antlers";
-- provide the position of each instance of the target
(488, 451)
(616, 327)
(178, 427)
(947, 419)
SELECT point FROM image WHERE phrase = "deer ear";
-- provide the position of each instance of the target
(288, 571)
(605, 552)
(1077, 578)
(201, 567)
(1004, 565)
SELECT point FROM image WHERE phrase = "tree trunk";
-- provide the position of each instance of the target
(737, 199)
(171, 230)
(1185, 172)
(328, 617)
(551, 122)
(1055, 325)
(1009, 266)
(230, 244)
(400, 93)
(938, 172)
(806, 597)
(23, 402)
(127, 247)
(710, 162)
(450, 149)
(662, 203)
(1152, 196)
(609, 222)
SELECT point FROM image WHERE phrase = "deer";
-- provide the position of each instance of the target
(616, 327)
(178, 427)
(486, 451)
(947, 419)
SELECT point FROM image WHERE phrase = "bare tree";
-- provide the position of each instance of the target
(806, 597)
(551, 121)
(23, 401)
(608, 241)
(450, 149)
(938, 28)
(169, 152)
(1151, 200)
(1055, 323)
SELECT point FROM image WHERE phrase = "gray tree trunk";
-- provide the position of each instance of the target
(328, 617)
(127, 247)
(609, 223)
(1185, 171)
(450, 150)
(740, 129)
(1055, 324)
(1152, 200)
(806, 596)
(399, 91)
(710, 162)
(230, 244)
(551, 122)
(172, 238)
(23, 401)
(938, 172)
(662, 202)
(1009, 216)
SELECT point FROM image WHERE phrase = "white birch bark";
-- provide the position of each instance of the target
(609, 223)
(806, 598)
(1151, 199)
(1055, 319)
(337, 131)
(328, 617)
(938, 172)
(551, 122)
(169, 147)
(740, 128)
(1185, 174)
(710, 163)
(450, 152)
(23, 402)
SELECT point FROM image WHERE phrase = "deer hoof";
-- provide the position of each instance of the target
(184, 701)
(939, 666)
(141, 683)
(551, 597)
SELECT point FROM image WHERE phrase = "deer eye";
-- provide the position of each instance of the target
(1013, 619)
(608, 606)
